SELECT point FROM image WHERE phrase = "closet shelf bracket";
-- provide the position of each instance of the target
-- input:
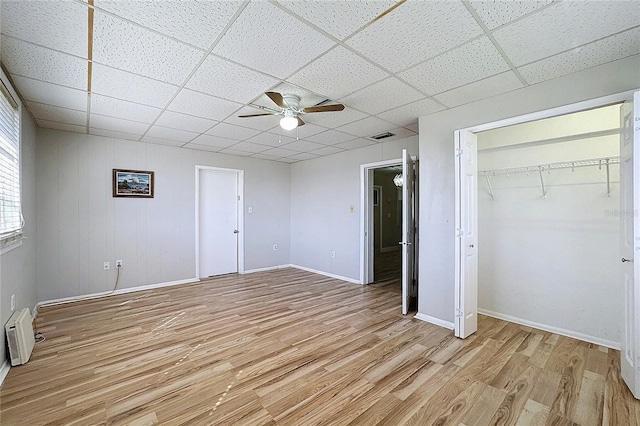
(488, 178)
(607, 161)
(544, 190)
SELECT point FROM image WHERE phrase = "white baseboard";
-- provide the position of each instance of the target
(108, 293)
(392, 248)
(4, 370)
(434, 320)
(326, 274)
(268, 268)
(561, 331)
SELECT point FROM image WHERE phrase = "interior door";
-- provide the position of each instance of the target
(630, 241)
(466, 253)
(218, 222)
(407, 230)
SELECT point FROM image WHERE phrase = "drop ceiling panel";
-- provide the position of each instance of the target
(201, 105)
(213, 141)
(304, 146)
(382, 96)
(249, 147)
(267, 39)
(51, 94)
(123, 109)
(54, 113)
(128, 47)
(356, 143)
(227, 80)
(367, 127)
(238, 153)
(303, 156)
(495, 14)
(491, 86)
(202, 147)
(271, 139)
(196, 23)
(117, 124)
(171, 134)
(327, 150)
(114, 134)
(265, 157)
(593, 54)
(230, 131)
(338, 18)
(409, 113)
(28, 60)
(470, 62)
(176, 120)
(161, 141)
(416, 31)
(61, 126)
(280, 152)
(330, 137)
(564, 26)
(338, 73)
(335, 119)
(131, 87)
(57, 25)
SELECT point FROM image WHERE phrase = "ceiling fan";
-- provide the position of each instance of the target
(290, 108)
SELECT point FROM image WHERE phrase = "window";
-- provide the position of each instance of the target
(11, 222)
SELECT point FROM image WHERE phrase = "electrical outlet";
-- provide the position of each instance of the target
(13, 302)
(275, 247)
(119, 263)
(106, 266)
(333, 254)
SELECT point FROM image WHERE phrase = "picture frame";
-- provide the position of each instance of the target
(133, 183)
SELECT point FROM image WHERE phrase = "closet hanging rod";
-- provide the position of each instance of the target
(552, 166)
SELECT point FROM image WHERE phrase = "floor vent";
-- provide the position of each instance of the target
(382, 136)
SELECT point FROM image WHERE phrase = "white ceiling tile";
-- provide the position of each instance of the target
(482, 89)
(334, 119)
(495, 13)
(115, 134)
(327, 150)
(201, 105)
(227, 80)
(172, 134)
(59, 25)
(268, 39)
(356, 143)
(407, 114)
(213, 141)
(54, 113)
(28, 60)
(202, 147)
(280, 152)
(131, 87)
(249, 147)
(304, 146)
(367, 127)
(415, 31)
(176, 120)
(271, 139)
(593, 54)
(330, 137)
(470, 62)
(51, 94)
(564, 26)
(414, 127)
(338, 73)
(117, 124)
(46, 124)
(386, 94)
(230, 131)
(235, 152)
(338, 18)
(198, 23)
(259, 123)
(287, 160)
(119, 108)
(125, 46)
(264, 157)
(303, 156)
(161, 141)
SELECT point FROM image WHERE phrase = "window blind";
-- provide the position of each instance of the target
(10, 207)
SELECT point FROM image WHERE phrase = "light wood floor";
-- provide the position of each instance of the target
(289, 347)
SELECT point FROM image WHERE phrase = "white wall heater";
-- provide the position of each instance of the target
(20, 338)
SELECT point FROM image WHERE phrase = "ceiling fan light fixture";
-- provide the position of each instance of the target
(289, 122)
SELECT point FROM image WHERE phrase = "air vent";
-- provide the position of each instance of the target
(382, 136)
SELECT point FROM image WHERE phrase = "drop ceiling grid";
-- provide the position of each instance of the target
(201, 105)
(50, 93)
(55, 113)
(490, 86)
(389, 93)
(180, 121)
(408, 113)
(120, 108)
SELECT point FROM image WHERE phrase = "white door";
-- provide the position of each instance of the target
(630, 241)
(466, 253)
(218, 222)
(407, 230)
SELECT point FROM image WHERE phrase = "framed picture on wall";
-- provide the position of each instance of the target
(132, 183)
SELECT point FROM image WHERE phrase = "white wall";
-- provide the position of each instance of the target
(18, 266)
(322, 191)
(551, 261)
(437, 237)
(80, 224)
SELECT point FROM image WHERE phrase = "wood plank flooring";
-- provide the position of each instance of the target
(289, 347)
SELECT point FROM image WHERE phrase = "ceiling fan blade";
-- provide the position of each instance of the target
(254, 115)
(324, 108)
(277, 99)
(300, 122)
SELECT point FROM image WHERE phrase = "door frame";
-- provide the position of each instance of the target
(240, 218)
(539, 115)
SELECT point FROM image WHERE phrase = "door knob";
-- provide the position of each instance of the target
(626, 260)
(235, 231)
